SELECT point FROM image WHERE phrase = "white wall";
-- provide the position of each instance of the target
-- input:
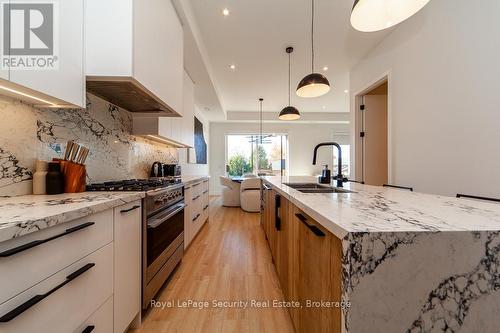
(302, 140)
(443, 97)
(189, 169)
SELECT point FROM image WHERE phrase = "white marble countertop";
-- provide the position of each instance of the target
(381, 209)
(188, 180)
(28, 213)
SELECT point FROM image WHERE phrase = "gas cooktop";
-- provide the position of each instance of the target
(135, 184)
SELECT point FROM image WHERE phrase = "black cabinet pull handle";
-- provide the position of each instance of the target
(205, 192)
(205, 208)
(88, 329)
(317, 231)
(196, 197)
(277, 218)
(130, 209)
(27, 246)
(400, 187)
(37, 298)
(196, 217)
(459, 195)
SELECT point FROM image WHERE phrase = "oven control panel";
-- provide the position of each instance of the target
(157, 201)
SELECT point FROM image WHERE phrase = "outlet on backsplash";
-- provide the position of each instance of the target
(27, 134)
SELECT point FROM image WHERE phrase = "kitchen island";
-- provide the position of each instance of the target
(407, 262)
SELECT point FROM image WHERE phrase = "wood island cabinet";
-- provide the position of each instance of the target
(307, 258)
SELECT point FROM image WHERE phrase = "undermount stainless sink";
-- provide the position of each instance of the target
(316, 188)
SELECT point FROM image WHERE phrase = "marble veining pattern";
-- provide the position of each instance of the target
(10, 170)
(27, 133)
(25, 214)
(448, 304)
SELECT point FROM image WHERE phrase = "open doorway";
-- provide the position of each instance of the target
(372, 158)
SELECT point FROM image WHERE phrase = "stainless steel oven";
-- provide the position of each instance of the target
(163, 238)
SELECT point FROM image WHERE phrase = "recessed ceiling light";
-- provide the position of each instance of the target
(346, 91)
(325, 68)
(225, 12)
(232, 66)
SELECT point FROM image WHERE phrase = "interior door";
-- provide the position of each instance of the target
(375, 152)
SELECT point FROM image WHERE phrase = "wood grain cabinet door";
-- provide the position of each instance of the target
(285, 246)
(316, 277)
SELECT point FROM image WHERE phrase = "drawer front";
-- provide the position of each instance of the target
(100, 321)
(197, 189)
(72, 300)
(23, 270)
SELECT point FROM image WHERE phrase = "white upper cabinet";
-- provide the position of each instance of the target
(187, 121)
(52, 51)
(135, 45)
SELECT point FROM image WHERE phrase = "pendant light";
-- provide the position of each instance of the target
(314, 84)
(375, 15)
(289, 112)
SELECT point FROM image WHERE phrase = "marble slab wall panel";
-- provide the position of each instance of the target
(28, 133)
(421, 282)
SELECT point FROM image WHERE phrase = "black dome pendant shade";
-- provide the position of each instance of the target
(289, 112)
(314, 84)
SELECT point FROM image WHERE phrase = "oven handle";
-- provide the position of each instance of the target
(158, 221)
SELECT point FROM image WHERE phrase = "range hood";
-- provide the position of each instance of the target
(129, 94)
(158, 129)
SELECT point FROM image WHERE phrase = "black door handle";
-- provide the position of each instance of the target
(34, 243)
(88, 329)
(205, 208)
(196, 197)
(317, 231)
(196, 217)
(37, 298)
(130, 209)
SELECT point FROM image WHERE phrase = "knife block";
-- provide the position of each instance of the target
(75, 177)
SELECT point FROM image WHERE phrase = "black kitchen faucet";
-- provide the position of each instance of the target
(339, 177)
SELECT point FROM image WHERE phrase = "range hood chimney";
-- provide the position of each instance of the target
(129, 94)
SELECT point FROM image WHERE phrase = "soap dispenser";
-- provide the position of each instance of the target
(326, 175)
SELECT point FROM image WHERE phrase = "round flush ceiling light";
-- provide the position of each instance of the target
(375, 15)
(225, 12)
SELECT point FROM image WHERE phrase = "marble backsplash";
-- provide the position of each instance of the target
(28, 133)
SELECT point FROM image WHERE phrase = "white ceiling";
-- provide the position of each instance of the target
(254, 37)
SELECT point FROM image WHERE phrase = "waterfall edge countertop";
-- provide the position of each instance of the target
(411, 262)
(383, 209)
(25, 214)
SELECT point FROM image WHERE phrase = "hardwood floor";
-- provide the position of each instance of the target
(228, 261)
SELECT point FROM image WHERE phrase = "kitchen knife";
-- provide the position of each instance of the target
(85, 154)
(74, 152)
(69, 146)
(81, 153)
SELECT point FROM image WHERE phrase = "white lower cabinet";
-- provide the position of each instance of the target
(87, 280)
(100, 321)
(128, 269)
(196, 211)
(65, 299)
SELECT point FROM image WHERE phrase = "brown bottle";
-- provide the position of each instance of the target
(55, 179)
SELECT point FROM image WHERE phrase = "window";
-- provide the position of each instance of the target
(246, 153)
